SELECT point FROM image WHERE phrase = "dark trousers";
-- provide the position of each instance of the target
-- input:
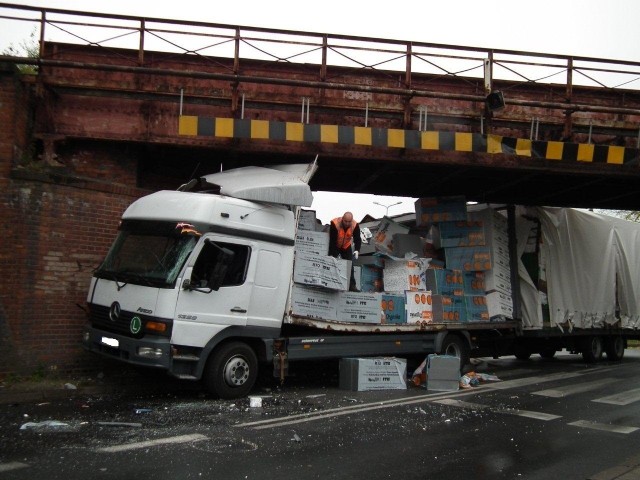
(347, 254)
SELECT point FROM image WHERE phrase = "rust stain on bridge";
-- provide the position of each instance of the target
(402, 130)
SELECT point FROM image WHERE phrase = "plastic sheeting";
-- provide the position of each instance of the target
(592, 268)
(281, 184)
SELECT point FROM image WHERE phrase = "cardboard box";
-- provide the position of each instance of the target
(499, 305)
(393, 308)
(322, 271)
(307, 220)
(498, 279)
(440, 209)
(419, 307)
(448, 309)
(474, 282)
(458, 234)
(358, 307)
(404, 243)
(313, 302)
(402, 275)
(495, 226)
(476, 307)
(371, 279)
(468, 258)
(316, 243)
(444, 281)
(383, 238)
(443, 373)
(367, 374)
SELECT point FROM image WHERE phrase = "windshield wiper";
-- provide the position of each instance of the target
(111, 276)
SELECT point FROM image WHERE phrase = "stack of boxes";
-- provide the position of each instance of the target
(466, 258)
(498, 279)
(321, 282)
(456, 270)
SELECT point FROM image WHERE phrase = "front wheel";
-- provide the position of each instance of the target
(232, 370)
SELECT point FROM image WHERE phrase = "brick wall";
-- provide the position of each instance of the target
(57, 224)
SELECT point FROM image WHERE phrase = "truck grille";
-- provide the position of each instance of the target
(100, 319)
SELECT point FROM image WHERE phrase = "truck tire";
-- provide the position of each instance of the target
(592, 349)
(457, 347)
(614, 348)
(232, 370)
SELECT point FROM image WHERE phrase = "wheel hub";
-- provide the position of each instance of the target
(236, 371)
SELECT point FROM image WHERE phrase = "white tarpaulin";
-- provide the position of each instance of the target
(589, 257)
(627, 236)
(281, 184)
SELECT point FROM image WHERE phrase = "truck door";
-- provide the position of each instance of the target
(202, 311)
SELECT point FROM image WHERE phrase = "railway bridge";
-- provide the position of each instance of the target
(107, 108)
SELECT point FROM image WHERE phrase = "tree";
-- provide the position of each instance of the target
(26, 48)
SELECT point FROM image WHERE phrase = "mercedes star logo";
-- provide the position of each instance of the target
(114, 312)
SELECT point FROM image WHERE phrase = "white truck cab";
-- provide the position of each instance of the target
(189, 271)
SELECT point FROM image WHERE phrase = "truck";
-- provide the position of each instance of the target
(200, 282)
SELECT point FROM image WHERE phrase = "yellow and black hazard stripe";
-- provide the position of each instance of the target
(398, 138)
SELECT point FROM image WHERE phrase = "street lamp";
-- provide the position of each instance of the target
(387, 206)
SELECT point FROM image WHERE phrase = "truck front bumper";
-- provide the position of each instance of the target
(149, 351)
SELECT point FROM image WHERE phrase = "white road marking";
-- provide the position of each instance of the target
(603, 426)
(523, 382)
(7, 467)
(572, 389)
(529, 414)
(510, 411)
(624, 398)
(459, 403)
(152, 443)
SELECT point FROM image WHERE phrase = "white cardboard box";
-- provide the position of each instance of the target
(379, 373)
(499, 304)
(498, 278)
(322, 271)
(313, 242)
(359, 307)
(403, 275)
(314, 302)
(307, 220)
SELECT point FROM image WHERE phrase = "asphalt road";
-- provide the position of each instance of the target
(558, 419)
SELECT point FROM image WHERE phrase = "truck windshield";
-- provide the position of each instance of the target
(149, 252)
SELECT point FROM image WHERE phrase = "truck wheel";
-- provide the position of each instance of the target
(232, 370)
(457, 347)
(614, 348)
(592, 349)
(548, 353)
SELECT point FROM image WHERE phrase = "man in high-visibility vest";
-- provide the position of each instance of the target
(345, 241)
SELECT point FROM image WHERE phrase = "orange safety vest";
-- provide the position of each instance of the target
(344, 236)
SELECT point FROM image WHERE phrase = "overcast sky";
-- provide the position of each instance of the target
(605, 29)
